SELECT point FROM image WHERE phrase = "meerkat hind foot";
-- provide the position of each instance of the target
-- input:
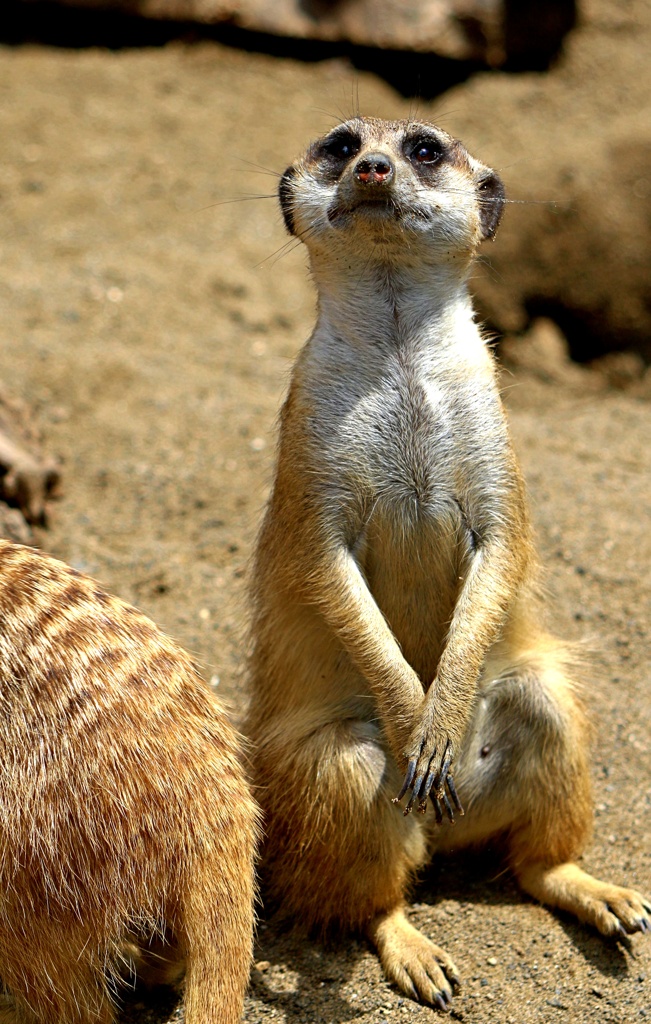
(611, 909)
(411, 961)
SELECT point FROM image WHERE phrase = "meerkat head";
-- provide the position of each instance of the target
(391, 187)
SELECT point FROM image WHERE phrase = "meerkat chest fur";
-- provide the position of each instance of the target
(395, 421)
(407, 448)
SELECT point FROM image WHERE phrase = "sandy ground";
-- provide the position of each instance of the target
(152, 330)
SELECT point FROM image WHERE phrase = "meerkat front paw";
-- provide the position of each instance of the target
(412, 962)
(429, 773)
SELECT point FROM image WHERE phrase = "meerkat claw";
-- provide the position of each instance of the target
(409, 778)
(427, 787)
(442, 780)
(448, 807)
(445, 766)
(421, 787)
(410, 804)
(453, 793)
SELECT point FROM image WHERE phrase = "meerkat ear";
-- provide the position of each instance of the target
(285, 197)
(492, 198)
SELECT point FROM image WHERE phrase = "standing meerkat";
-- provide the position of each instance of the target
(127, 831)
(396, 641)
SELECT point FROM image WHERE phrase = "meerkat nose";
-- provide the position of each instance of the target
(374, 169)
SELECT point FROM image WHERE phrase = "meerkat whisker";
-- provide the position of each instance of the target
(259, 168)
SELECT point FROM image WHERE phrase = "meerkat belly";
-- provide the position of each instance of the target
(415, 579)
(413, 547)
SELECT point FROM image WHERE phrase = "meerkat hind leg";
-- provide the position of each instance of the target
(612, 909)
(413, 962)
(525, 772)
(341, 853)
(556, 796)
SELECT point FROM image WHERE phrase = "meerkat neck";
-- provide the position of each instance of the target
(394, 306)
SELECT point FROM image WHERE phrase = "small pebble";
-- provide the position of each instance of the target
(557, 1003)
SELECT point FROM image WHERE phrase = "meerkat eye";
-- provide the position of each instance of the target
(341, 147)
(426, 151)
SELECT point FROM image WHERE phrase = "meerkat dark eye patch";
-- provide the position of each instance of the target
(285, 195)
(424, 150)
(492, 198)
(341, 146)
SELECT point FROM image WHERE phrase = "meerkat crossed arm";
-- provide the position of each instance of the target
(396, 644)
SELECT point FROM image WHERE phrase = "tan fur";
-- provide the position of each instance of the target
(395, 622)
(127, 832)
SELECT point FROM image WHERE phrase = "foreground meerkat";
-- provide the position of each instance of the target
(396, 639)
(126, 828)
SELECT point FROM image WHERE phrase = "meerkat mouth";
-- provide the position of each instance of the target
(380, 208)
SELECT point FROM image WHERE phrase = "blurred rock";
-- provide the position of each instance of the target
(543, 352)
(625, 371)
(28, 477)
(582, 259)
(622, 370)
(13, 525)
(489, 31)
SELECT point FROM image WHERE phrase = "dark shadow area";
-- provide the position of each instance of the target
(476, 876)
(153, 1004)
(294, 975)
(534, 33)
(589, 333)
(480, 877)
(611, 956)
(423, 75)
(52, 24)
